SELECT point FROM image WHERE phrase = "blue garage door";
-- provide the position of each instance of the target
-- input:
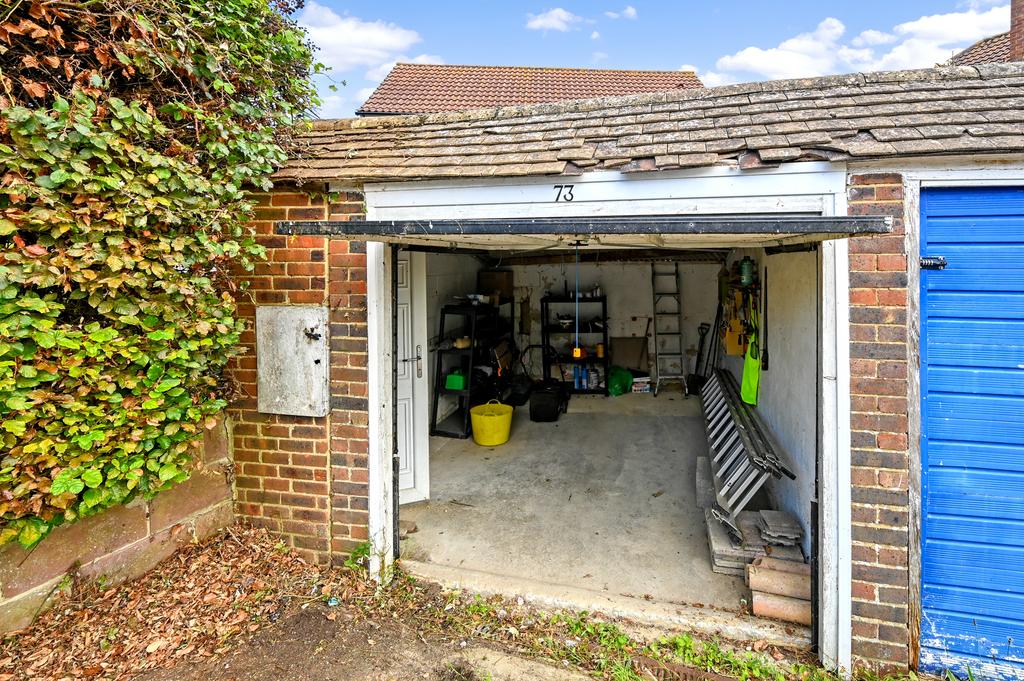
(972, 445)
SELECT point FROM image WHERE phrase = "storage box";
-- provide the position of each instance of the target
(456, 380)
(489, 281)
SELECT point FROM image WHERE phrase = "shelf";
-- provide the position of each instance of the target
(455, 351)
(569, 359)
(558, 329)
(584, 391)
(567, 299)
(452, 391)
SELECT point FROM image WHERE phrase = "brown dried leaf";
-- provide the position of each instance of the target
(34, 89)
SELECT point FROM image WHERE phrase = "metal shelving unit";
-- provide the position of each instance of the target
(589, 337)
(483, 324)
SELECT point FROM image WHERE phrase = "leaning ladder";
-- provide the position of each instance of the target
(669, 363)
(743, 455)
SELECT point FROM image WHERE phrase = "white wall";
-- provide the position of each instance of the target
(628, 287)
(447, 276)
(787, 397)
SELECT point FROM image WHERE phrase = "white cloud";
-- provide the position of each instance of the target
(807, 54)
(920, 43)
(628, 13)
(873, 37)
(597, 57)
(709, 78)
(595, 35)
(956, 27)
(556, 19)
(347, 42)
(378, 73)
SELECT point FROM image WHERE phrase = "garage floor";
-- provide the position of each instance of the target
(603, 500)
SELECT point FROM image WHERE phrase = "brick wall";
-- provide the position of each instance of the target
(122, 542)
(305, 478)
(879, 429)
(1017, 30)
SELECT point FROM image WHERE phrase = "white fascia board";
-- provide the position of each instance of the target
(794, 188)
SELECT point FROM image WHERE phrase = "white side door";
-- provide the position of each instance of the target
(411, 379)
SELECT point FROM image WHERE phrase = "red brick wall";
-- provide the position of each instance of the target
(307, 478)
(879, 429)
(1017, 30)
(303, 477)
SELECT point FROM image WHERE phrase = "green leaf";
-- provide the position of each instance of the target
(66, 482)
(104, 335)
(92, 478)
(167, 472)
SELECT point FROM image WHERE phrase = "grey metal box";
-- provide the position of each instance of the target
(292, 360)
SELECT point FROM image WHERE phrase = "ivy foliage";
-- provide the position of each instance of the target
(129, 132)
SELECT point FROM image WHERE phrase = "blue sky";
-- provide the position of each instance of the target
(725, 42)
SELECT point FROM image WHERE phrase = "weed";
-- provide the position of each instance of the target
(950, 676)
(359, 559)
(480, 607)
(623, 671)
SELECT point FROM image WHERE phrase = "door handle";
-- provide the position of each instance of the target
(418, 359)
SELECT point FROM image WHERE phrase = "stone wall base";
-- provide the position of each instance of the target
(120, 543)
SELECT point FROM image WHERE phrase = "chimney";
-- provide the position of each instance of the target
(1017, 30)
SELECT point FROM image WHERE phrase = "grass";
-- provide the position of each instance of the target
(580, 640)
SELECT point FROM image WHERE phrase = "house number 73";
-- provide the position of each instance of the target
(563, 192)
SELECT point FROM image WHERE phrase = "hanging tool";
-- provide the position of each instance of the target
(695, 381)
(577, 351)
(764, 323)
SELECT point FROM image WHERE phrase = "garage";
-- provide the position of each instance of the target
(603, 507)
(972, 405)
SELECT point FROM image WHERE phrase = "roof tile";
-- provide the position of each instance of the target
(421, 88)
(945, 110)
(985, 51)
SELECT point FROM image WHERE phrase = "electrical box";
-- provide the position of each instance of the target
(292, 360)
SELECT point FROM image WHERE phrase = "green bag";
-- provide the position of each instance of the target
(620, 381)
(751, 363)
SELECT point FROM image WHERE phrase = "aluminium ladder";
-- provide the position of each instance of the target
(669, 359)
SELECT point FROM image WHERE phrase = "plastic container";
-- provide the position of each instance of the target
(492, 423)
(456, 380)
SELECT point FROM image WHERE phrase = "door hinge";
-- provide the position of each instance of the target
(934, 263)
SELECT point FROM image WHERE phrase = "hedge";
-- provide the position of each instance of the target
(129, 134)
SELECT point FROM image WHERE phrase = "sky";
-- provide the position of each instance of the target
(731, 41)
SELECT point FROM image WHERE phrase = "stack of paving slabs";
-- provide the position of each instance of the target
(780, 589)
(779, 528)
(734, 545)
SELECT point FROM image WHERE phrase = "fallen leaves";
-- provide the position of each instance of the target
(191, 605)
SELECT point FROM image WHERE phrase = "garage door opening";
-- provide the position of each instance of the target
(603, 508)
(615, 499)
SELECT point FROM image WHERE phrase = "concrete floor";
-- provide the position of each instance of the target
(601, 500)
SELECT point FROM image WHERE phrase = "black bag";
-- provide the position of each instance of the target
(547, 401)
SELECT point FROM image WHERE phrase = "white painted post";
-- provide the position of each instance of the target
(380, 364)
(834, 511)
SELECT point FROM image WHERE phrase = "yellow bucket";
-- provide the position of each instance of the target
(492, 423)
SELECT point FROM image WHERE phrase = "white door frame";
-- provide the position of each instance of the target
(816, 187)
(420, 491)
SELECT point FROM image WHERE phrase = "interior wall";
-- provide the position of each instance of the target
(630, 301)
(448, 276)
(787, 396)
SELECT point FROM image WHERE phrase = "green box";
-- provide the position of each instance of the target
(456, 380)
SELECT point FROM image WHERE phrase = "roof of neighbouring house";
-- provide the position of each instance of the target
(985, 51)
(947, 110)
(431, 88)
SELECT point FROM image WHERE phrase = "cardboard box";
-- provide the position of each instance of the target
(489, 281)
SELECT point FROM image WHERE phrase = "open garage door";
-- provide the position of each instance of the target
(631, 232)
